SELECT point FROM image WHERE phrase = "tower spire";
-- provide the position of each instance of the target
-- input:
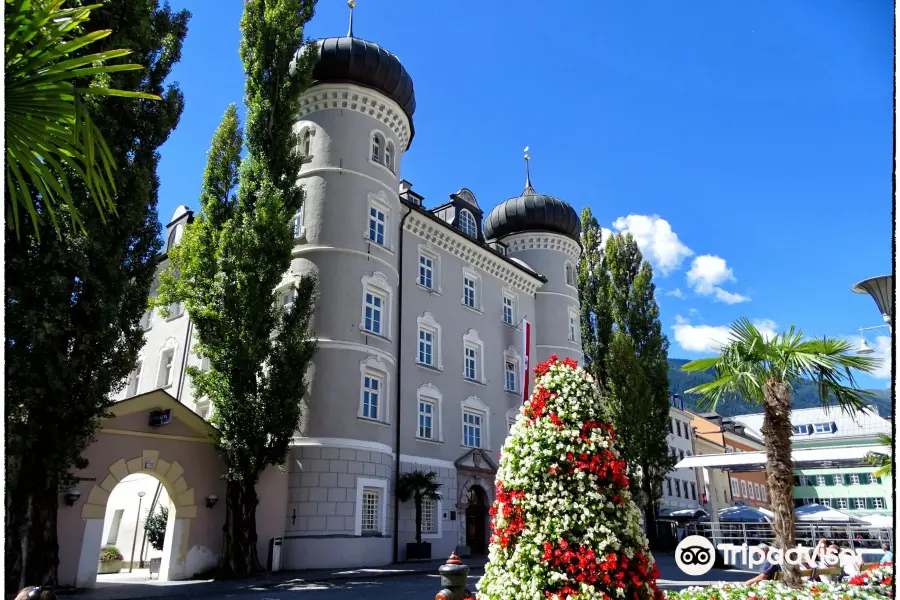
(527, 172)
(352, 5)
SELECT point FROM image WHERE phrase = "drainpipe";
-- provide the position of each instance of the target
(397, 411)
(184, 357)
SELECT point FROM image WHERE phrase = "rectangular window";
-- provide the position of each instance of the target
(297, 224)
(572, 328)
(743, 488)
(471, 429)
(374, 306)
(511, 376)
(859, 503)
(758, 491)
(685, 484)
(287, 301)
(678, 428)
(677, 489)
(426, 419)
(176, 309)
(371, 396)
(878, 503)
(377, 220)
(842, 503)
(854, 478)
(820, 480)
(426, 271)
(837, 479)
(429, 520)
(672, 424)
(371, 509)
(507, 310)
(823, 427)
(669, 485)
(469, 292)
(751, 493)
(471, 363)
(147, 319)
(872, 479)
(134, 380)
(113, 535)
(166, 364)
(693, 491)
(762, 489)
(825, 502)
(426, 347)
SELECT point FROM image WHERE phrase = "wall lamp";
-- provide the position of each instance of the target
(72, 497)
(211, 500)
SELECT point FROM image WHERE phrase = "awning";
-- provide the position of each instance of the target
(815, 458)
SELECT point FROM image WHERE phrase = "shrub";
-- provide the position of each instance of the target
(110, 553)
(564, 525)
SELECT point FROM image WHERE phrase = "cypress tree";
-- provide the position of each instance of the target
(74, 302)
(233, 258)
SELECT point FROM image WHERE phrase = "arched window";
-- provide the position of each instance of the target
(305, 143)
(467, 224)
(389, 156)
(376, 148)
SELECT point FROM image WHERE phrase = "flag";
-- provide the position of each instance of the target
(526, 356)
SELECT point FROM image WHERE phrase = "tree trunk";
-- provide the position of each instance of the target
(776, 432)
(239, 556)
(649, 507)
(43, 553)
(418, 500)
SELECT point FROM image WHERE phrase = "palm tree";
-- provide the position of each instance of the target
(765, 371)
(419, 486)
(49, 132)
(884, 462)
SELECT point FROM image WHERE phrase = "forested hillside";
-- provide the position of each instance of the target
(805, 396)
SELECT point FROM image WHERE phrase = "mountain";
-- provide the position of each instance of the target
(805, 396)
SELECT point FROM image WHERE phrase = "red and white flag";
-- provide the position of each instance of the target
(526, 356)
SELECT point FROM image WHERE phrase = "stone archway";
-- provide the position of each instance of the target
(182, 511)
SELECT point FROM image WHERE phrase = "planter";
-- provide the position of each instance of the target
(154, 565)
(416, 551)
(109, 566)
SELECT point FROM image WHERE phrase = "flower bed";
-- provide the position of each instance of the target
(882, 574)
(766, 590)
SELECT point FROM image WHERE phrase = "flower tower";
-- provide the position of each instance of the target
(564, 526)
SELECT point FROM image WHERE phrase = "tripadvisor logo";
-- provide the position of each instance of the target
(695, 555)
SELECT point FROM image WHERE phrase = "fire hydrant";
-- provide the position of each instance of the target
(454, 576)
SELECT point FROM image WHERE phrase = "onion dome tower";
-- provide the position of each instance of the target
(544, 232)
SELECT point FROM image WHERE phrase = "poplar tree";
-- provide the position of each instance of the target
(74, 301)
(233, 258)
(593, 283)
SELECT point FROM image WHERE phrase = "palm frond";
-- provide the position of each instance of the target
(49, 131)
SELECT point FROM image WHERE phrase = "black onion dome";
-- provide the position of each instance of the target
(350, 59)
(532, 212)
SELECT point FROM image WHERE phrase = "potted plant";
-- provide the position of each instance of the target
(155, 526)
(110, 560)
(418, 486)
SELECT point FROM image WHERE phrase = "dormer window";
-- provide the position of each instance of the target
(389, 156)
(467, 224)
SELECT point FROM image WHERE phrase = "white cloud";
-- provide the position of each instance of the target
(676, 292)
(706, 275)
(709, 338)
(654, 236)
(882, 349)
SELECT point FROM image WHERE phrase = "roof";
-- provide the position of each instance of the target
(161, 399)
(744, 462)
(531, 211)
(352, 60)
(864, 423)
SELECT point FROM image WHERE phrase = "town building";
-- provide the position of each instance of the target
(853, 489)
(679, 490)
(713, 483)
(427, 320)
(731, 435)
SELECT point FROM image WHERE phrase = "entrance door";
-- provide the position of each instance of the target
(476, 520)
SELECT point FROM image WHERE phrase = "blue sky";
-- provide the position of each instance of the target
(748, 146)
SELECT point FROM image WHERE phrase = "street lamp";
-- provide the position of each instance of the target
(880, 288)
(137, 519)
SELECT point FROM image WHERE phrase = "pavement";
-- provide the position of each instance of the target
(406, 580)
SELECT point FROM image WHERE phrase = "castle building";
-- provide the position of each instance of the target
(426, 320)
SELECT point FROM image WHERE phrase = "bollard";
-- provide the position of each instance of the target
(454, 576)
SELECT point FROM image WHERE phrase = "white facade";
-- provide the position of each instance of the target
(680, 489)
(122, 516)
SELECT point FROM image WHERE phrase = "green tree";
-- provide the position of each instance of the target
(593, 287)
(74, 302)
(232, 259)
(49, 131)
(418, 486)
(765, 372)
(155, 526)
(637, 396)
(884, 462)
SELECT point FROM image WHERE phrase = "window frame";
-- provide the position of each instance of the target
(175, 310)
(376, 147)
(842, 503)
(374, 368)
(820, 480)
(377, 285)
(574, 328)
(471, 341)
(298, 224)
(856, 504)
(430, 393)
(513, 299)
(469, 273)
(363, 483)
(751, 494)
(390, 156)
(473, 222)
(871, 479)
(373, 221)
(473, 405)
(428, 323)
(168, 348)
(147, 319)
(854, 479)
(570, 275)
(135, 376)
(876, 502)
(735, 487)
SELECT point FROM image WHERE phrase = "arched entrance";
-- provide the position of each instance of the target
(477, 520)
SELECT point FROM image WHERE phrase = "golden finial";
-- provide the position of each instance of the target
(527, 170)
(352, 5)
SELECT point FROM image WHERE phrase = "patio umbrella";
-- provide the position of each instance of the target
(689, 513)
(816, 513)
(884, 521)
(744, 514)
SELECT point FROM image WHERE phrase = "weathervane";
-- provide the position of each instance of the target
(527, 169)
(352, 5)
